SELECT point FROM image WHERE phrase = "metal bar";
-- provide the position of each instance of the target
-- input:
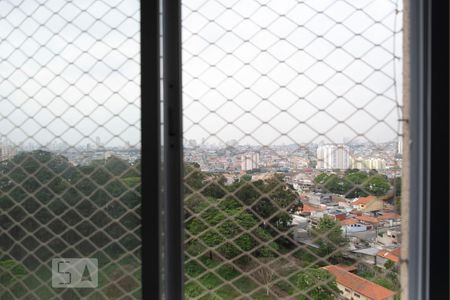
(418, 271)
(150, 122)
(439, 151)
(173, 159)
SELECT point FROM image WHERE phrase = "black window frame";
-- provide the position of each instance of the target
(150, 161)
(428, 261)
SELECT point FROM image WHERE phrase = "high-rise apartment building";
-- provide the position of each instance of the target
(333, 157)
(368, 164)
(6, 151)
(250, 161)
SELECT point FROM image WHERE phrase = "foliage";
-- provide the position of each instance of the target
(355, 183)
(10, 270)
(62, 196)
(397, 185)
(389, 264)
(324, 283)
(193, 177)
(266, 275)
(227, 272)
(398, 204)
(224, 227)
(193, 289)
(377, 185)
(385, 282)
(329, 237)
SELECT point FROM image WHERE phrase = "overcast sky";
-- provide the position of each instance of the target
(67, 67)
(291, 71)
(279, 71)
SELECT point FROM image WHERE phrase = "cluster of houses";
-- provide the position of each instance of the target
(373, 231)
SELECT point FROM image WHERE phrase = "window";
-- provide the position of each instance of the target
(275, 94)
(70, 150)
(277, 122)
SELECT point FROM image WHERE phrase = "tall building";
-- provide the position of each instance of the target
(368, 164)
(333, 157)
(250, 161)
(7, 151)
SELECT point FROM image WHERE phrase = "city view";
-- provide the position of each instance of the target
(293, 149)
(323, 207)
(292, 116)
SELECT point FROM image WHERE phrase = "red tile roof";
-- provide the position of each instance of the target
(310, 208)
(364, 200)
(393, 255)
(367, 219)
(360, 285)
(349, 221)
(396, 251)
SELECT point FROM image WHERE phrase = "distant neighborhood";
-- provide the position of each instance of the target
(354, 187)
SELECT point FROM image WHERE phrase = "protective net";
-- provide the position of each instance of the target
(292, 146)
(70, 149)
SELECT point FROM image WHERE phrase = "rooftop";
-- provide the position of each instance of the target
(349, 221)
(310, 208)
(364, 200)
(360, 285)
(367, 219)
(389, 216)
(393, 255)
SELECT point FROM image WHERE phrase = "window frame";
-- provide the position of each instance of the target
(150, 161)
(427, 264)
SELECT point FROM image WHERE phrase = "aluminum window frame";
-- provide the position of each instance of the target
(425, 269)
(427, 261)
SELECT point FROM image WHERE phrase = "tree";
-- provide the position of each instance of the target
(337, 185)
(321, 178)
(11, 271)
(397, 185)
(323, 283)
(266, 275)
(389, 264)
(52, 189)
(357, 177)
(398, 204)
(329, 237)
(350, 171)
(377, 185)
(193, 177)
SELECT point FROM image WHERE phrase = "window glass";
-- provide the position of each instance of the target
(70, 150)
(292, 131)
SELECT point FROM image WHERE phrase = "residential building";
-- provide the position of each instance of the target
(333, 157)
(250, 161)
(370, 221)
(384, 255)
(368, 164)
(353, 286)
(368, 204)
(352, 225)
(389, 219)
(365, 255)
(6, 151)
(390, 238)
